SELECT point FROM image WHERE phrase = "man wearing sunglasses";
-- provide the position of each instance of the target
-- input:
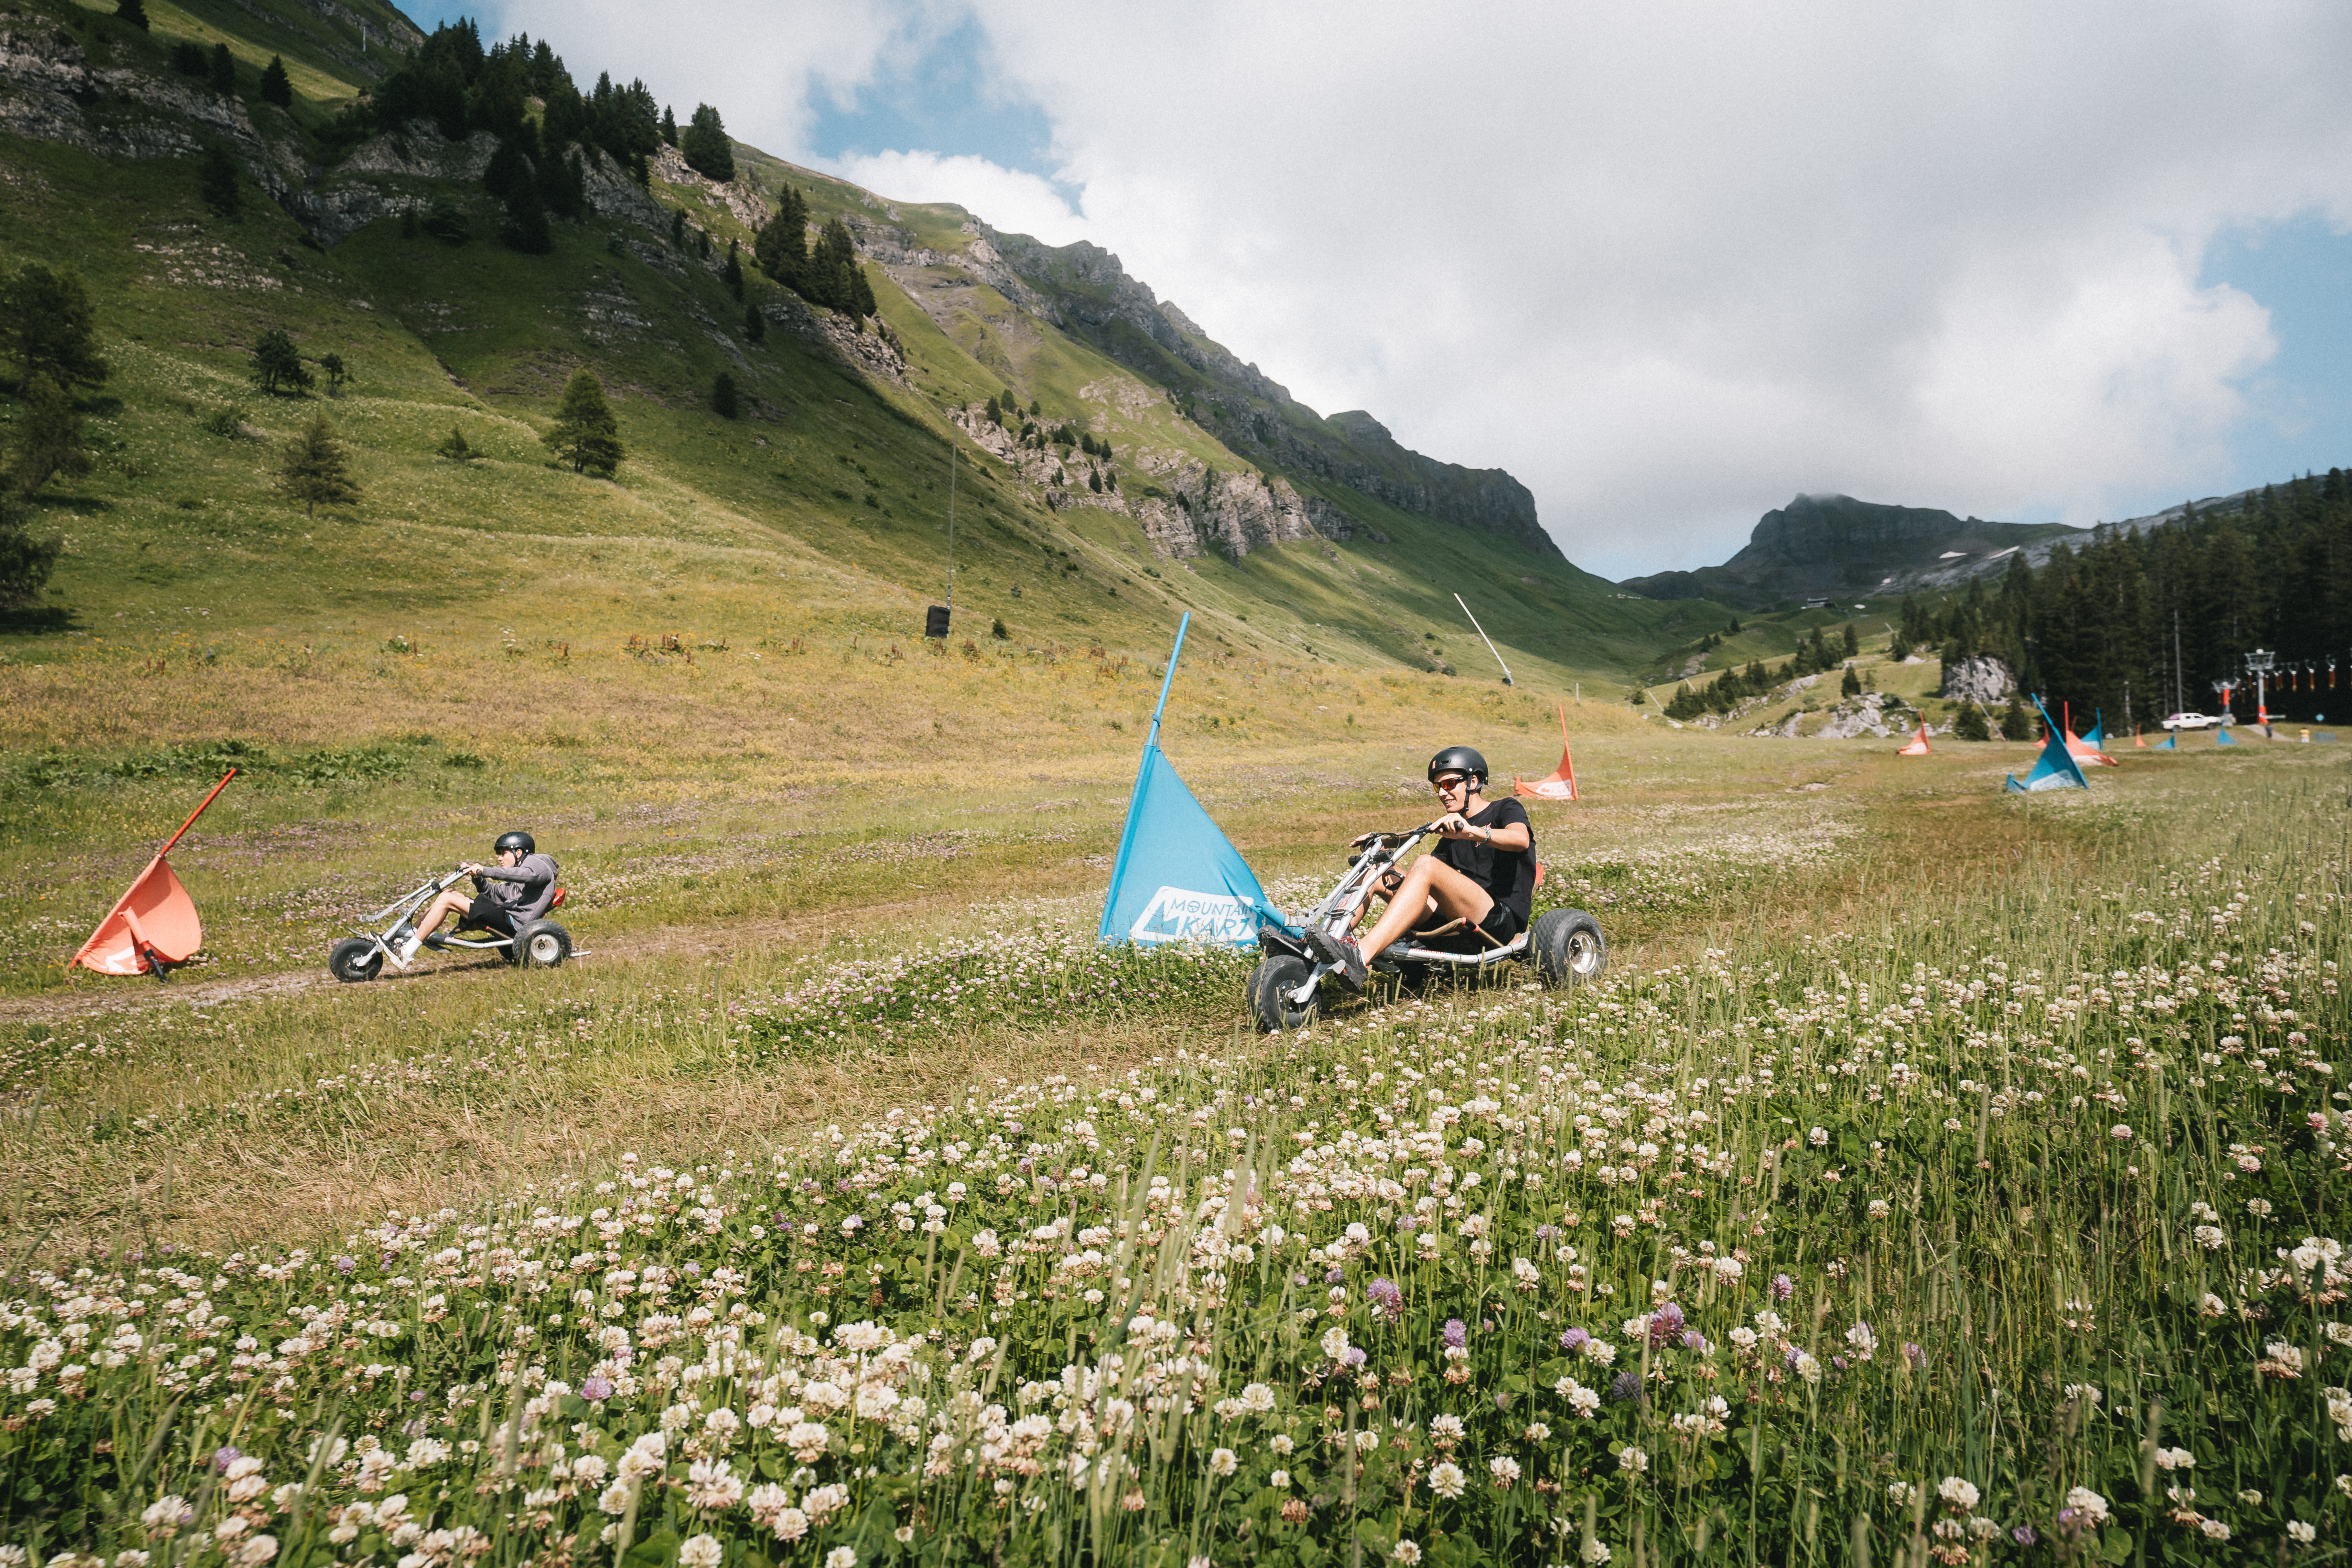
(1483, 873)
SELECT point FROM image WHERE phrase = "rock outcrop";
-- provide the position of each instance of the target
(1982, 679)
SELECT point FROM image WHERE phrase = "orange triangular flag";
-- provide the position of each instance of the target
(2081, 751)
(1918, 746)
(154, 923)
(2139, 739)
(1560, 783)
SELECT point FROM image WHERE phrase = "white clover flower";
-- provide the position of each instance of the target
(1447, 1479)
(1632, 1459)
(1335, 1344)
(2175, 1459)
(2089, 1504)
(1808, 1368)
(841, 1557)
(1257, 1399)
(1505, 1470)
(615, 1497)
(1279, 1480)
(700, 1552)
(2301, 1533)
(1406, 1552)
(1902, 1494)
(1962, 1494)
(1224, 1462)
(1595, 1552)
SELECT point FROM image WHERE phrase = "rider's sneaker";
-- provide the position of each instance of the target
(1340, 952)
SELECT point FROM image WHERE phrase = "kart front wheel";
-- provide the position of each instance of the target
(1268, 985)
(1568, 947)
(354, 959)
(542, 944)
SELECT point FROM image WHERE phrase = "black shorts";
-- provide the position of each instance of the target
(1495, 929)
(1500, 924)
(489, 915)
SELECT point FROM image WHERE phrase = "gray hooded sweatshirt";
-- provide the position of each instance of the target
(527, 890)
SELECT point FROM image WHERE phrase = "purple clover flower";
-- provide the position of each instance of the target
(1918, 1359)
(1457, 1333)
(1355, 1356)
(1666, 1323)
(1695, 1341)
(1626, 1388)
(345, 1265)
(1574, 1340)
(1546, 1232)
(223, 1458)
(1334, 1275)
(1387, 1300)
(2023, 1535)
(596, 1387)
(1783, 1287)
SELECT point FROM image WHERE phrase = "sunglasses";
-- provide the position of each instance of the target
(1448, 783)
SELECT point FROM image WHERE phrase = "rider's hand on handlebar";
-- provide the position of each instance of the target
(471, 868)
(1453, 824)
(1361, 839)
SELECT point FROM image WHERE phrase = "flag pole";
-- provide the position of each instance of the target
(1168, 680)
(1487, 640)
(197, 813)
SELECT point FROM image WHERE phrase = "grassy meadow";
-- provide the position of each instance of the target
(1936, 1175)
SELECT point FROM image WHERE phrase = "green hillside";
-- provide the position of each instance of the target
(821, 511)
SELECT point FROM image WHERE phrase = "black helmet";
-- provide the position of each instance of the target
(1458, 760)
(517, 840)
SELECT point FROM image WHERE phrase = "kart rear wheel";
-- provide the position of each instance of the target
(1568, 947)
(542, 944)
(1274, 1011)
(354, 959)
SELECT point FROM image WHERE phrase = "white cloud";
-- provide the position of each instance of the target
(1011, 200)
(1670, 263)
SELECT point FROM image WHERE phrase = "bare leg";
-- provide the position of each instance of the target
(450, 902)
(1431, 887)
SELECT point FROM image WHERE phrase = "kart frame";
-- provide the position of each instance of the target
(403, 911)
(1339, 912)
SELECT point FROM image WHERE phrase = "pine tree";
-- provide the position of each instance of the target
(585, 434)
(2016, 723)
(278, 363)
(49, 440)
(316, 468)
(724, 400)
(337, 373)
(507, 171)
(1969, 724)
(755, 325)
(705, 147)
(1851, 685)
(1853, 642)
(525, 228)
(189, 59)
(669, 125)
(734, 274)
(48, 326)
(408, 221)
(223, 71)
(25, 562)
(131, 10)
(216, 182)
(276, 87)
(1093, 479)
(781, 247)
(456, 447)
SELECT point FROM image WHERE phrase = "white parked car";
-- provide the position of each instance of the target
(2193, 721)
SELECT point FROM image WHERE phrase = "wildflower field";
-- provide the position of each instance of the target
(1882, 1205)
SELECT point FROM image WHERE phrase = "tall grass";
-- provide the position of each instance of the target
(2000, 1227)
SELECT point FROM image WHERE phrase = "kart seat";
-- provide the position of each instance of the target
(557, 902)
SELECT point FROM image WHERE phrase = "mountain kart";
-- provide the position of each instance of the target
(536, 944)
(1566, 946)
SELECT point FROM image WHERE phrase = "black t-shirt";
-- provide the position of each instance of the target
(1508, 876)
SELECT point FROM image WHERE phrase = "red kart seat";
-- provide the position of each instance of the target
(1539, 871)
(557, 902)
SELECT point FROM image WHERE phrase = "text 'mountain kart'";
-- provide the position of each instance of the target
(1566, 946)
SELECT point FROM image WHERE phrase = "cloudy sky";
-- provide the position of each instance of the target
(1670, 264)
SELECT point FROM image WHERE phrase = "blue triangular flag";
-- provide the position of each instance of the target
(2057, 768)
(2222, 737)
(2170, 743)
(1177, 878)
